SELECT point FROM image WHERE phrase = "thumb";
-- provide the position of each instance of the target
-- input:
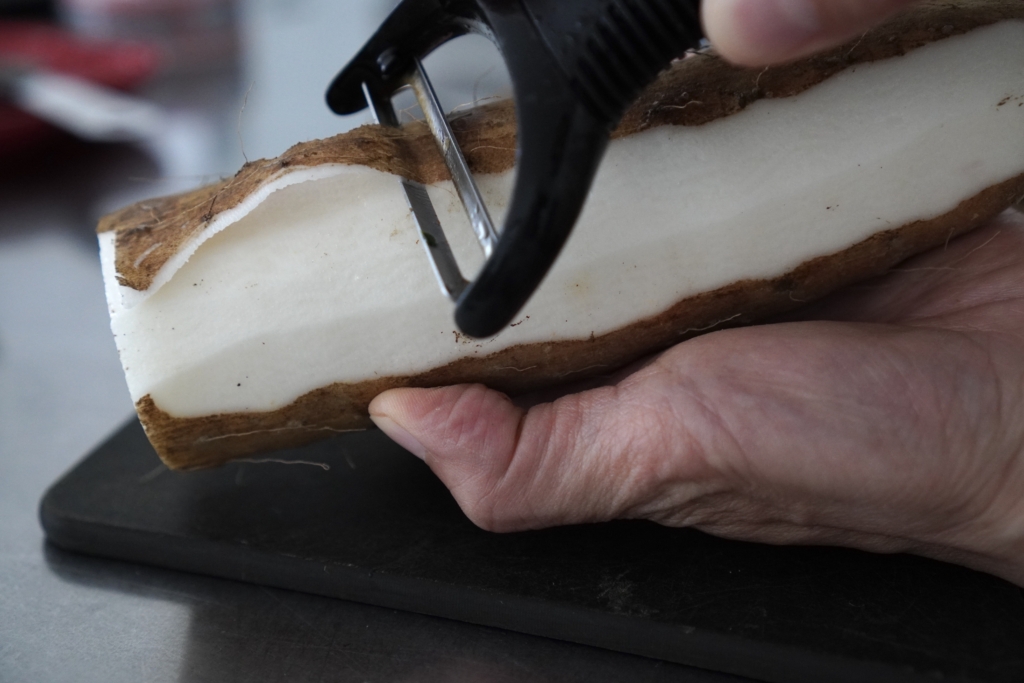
(571, 461)
(763, 32)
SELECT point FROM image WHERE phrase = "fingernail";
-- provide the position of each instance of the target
(757, 32)
(399, 435)
(791, 23)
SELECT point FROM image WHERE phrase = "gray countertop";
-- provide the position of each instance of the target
(65, 617)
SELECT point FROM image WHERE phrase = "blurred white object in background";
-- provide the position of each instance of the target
(193, 35)
(88, 110)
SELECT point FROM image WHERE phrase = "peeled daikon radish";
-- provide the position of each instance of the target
(267, 310)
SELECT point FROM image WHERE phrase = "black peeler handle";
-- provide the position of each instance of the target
(576, 66)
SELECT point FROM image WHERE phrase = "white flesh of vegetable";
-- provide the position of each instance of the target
(319, 277)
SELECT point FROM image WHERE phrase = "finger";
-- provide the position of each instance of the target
(763, 32)
(586, 457)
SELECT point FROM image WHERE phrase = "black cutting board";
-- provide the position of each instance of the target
(377, 527)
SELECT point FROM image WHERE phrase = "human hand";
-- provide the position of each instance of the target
(763, 32)
(888, 417)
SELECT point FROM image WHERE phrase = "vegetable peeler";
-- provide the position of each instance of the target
(575, 65)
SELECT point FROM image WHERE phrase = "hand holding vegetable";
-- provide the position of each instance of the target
(887, 417)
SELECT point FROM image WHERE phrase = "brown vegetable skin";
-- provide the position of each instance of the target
(696, 91)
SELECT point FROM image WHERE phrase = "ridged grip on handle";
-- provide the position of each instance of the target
(610, 50)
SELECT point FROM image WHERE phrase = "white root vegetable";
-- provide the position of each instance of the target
(267, 310)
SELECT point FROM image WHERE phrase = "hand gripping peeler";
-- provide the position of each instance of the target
(575, 65)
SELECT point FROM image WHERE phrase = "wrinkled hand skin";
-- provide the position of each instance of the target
(888, 417)
(763, 32)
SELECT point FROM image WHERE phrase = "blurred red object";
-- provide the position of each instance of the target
(120, 65)
(192, 35)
